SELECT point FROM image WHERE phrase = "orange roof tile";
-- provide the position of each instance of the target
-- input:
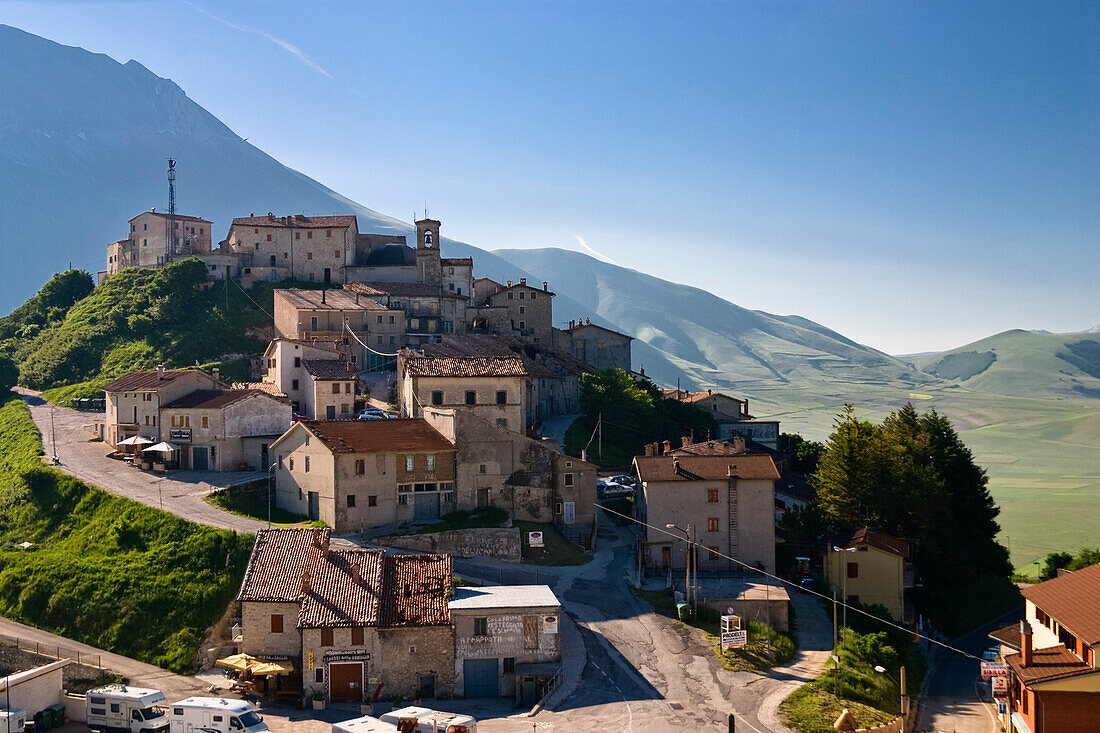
(1072, 601)
(466, 366)
(378, 436)
(1047, 664)
(880, 540)
(705, 468)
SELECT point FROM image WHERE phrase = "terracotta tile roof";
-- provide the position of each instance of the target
(416, 590)
(335, 299)
(732, 447)
(1072, 601)
(880, 540)
(342, 588)
(705, 468)
(326, 345)
(581, 326)
(377, 436)
(466, 366)
(180, 217)
(456, 261)
(1009, 635)
(1047, 664)
(518, 286)
(297, 221)
(279, 559)
(401, 290)
(211, 399)
(266, 387)
(539, 360)
(329, 369)
(150, 381)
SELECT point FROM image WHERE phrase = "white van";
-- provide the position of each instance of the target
(365, 724)
(214, 715)
(13, 721)
(431, 721)
(123, 709)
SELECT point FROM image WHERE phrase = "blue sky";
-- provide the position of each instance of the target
(913, 175)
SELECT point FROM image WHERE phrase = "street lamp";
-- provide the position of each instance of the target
(688, 563)
(901, 686)
(844, 582)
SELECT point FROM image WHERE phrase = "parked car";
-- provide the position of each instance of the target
(624, 479)
(375, 413)
(991, 654)
(808, 583)
(609, 490)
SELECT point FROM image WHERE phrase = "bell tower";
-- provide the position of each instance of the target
(429, 269)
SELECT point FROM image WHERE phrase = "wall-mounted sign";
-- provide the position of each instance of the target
(993, 669)
(355, 655)
(735, 639)
(1000, 686)
(309, 660)
(180, 435)
(550, 624)
(534, 539)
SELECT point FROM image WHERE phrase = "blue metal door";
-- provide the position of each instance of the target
(480, 678)
(199, 458)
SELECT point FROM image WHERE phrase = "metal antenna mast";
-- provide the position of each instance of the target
(171, 209)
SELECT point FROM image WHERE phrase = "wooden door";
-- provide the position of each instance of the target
(345, 682)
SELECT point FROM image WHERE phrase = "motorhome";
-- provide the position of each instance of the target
(124, 709)
(365, 724)
(13, 721)
(214, 715)
(432, 721)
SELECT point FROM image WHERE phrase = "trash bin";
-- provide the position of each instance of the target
(683, 610)
(57, 715)
(42, 720)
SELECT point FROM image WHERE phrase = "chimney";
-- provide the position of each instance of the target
(252, 213)
(160, 371)
(523, 281)
(322, 296)
(304, 586)
(746, 403)
(357, 297)
(675, 463)
(650, 449)
(355, 573)
(217, 373)
(685, 441)
(708, 391)
(509, 283)
(1025, 643)
(731, 472)
(666, 446)
(544, 286)
(324, 544)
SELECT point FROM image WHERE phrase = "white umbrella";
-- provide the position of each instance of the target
(135, 440)
(162, 448)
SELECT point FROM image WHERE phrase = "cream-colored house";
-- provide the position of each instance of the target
(492, 387)
(349, 621)
(728, 501)
(349, 320)
(873, 567)
(134, 401)
(359, 474)
(284, 365)
(225, 429)
(330, 390)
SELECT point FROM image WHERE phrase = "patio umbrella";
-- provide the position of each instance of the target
(162, 447)
(268, 669)
(239, 662)
(134, 441)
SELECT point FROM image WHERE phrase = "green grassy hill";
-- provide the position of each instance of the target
(1022, 363)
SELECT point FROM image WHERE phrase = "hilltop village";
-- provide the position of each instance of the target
(420, 456)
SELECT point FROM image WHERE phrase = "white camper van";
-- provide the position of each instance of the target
(431, 721)
(123, 709)
(13, 721)
(214, 715)
(365, 724)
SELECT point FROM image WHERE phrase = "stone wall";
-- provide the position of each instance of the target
(16, 660)
(502, 543)
(897, 725)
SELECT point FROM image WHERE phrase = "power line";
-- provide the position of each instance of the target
(787, 582)
(250, 298)
(379, 353)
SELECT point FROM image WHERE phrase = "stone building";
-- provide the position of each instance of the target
(146, 245)
(507, 641)
(732, 416)
(528, 478)
(360, 474)
(357, 325)
(492, 387)
(134, 401)
(299, 247)
(284, 365)
(600, 347)
(514, 308)
(429, 310)
(728, 501)
(225, 429)
(352, 620)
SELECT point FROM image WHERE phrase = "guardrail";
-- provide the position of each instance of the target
(52, 651)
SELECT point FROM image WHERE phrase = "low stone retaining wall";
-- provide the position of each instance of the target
(502, 543)
(897, 725)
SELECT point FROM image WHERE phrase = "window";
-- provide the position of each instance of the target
(336, 388)
(522, 310)
(853, 570)
(146, 419)
(309, 235)
(345, 408)
(712, 524)
(294, 384)
(437, 397)
(481, 468)
(502, 397)
(372, 500)
(521, 294)
(712, 496)
(431, 463)
(533, 295)
(351, 501)
(347, 387)
(187, 421)
(326, 637)
(312, 324)
(319, 675)
(280, 461)
(568, 479)
(292, 463)
(357, 636)
(276, 623)
(403, 500)
(509, 665)
(409, 464)
(337, 254)
(522, 325)
(205, 421)
(511, 296)
(502, 422)
(328, 232)
(481, 626)
(307, 467)
(471, 397)
(255, 231)
(309, 255)
(380, 320)
(391, 319)
(269, 237)
(360, 467)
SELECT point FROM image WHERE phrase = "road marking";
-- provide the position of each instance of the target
(629, 712)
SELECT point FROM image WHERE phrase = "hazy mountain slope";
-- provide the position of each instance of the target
(714, 341)
(1023, 363)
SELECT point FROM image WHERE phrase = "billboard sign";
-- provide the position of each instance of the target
(735, 639)
(994, 669)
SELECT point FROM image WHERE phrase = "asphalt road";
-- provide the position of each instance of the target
(956, 700)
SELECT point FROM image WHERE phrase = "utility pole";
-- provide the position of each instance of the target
(694, 572)
(599, 427)
(53, 436)
(730, 721)
(836, 653)
(904, 697)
